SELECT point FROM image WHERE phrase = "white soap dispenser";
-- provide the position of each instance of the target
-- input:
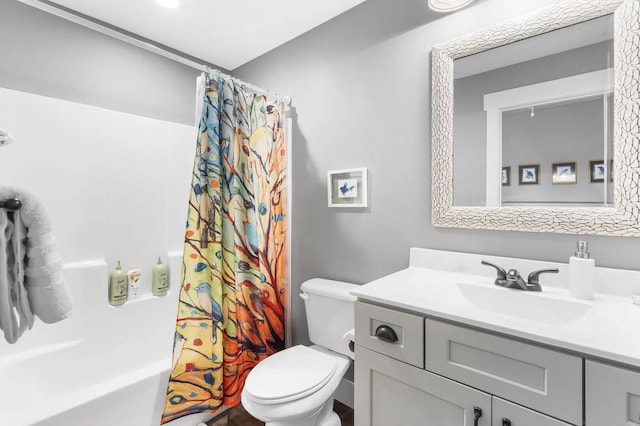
(582, 273)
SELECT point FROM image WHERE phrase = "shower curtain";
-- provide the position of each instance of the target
(234, 282)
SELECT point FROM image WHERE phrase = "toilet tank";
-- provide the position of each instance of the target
(330, 312)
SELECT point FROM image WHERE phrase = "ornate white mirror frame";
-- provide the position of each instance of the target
(623, 219)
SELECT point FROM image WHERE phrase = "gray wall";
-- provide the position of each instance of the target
(46, 55)
(360, 85)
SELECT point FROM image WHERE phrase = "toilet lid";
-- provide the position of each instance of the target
(290, 374)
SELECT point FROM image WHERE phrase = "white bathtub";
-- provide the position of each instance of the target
(104, 366)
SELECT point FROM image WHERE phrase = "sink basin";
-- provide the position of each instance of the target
(525, 305)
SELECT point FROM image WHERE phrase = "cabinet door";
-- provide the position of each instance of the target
(391, 393)
(505, 413)
(612, 395)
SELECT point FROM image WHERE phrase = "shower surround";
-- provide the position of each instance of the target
(103, 366)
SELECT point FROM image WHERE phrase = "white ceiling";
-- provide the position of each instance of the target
(227, 33)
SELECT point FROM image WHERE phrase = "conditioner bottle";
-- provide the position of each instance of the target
(160, 284)
(118, 286)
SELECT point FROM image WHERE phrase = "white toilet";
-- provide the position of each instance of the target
(295, 387)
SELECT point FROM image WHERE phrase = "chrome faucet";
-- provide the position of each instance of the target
(513, 279)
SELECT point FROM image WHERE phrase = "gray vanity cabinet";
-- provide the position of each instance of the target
(464, 377)
(393, 393)
(612, 395)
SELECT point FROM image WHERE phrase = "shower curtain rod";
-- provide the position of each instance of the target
(138, 41)
(285, 99)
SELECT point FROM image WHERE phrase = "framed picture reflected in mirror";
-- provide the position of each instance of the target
(564, 173)
(506, 176)
(529, 174)
(597, 171)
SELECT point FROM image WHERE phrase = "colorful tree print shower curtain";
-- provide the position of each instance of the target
(234, 281)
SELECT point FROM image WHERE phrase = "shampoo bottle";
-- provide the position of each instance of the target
(118, 286)
(160, 283)
(134, 276)
(582, 271)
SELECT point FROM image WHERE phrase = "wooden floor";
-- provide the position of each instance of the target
(238, 417)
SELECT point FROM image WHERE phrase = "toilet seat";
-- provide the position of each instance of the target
(287, 376)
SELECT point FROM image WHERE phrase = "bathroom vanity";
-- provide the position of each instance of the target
(439, 344)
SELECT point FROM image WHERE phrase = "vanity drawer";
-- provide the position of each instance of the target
(377, 328)
(505, 413)
(612, 395)
(536, 377)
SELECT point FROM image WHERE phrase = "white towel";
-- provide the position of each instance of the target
(15, 313)
(31, 281)
(5, 137)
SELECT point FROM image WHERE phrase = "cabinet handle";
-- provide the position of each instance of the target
(506, 422)
(386, 333)
(477, 413)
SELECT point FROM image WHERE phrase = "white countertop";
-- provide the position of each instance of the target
(607, 327)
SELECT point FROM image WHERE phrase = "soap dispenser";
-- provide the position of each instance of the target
(582, 272)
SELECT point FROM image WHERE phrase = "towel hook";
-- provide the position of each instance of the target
(12, 204)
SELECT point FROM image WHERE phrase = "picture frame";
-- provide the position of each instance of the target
(506, 176)
(597, 171)
(347, 188)
(529, 174)
(611, 170)
(564, 173)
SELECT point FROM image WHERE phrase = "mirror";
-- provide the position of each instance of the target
(532, 107)
(533, 123)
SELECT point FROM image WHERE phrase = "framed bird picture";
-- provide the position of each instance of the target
(529, 174)
(506, 176)
(598, 171)
(563, 173)
(347, 188)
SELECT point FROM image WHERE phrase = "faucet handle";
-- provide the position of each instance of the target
(501, 279)
(533, 280)
(534, 277)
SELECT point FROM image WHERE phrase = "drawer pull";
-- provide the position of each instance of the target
(386, 333)
(506, 422)
(477, 413)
